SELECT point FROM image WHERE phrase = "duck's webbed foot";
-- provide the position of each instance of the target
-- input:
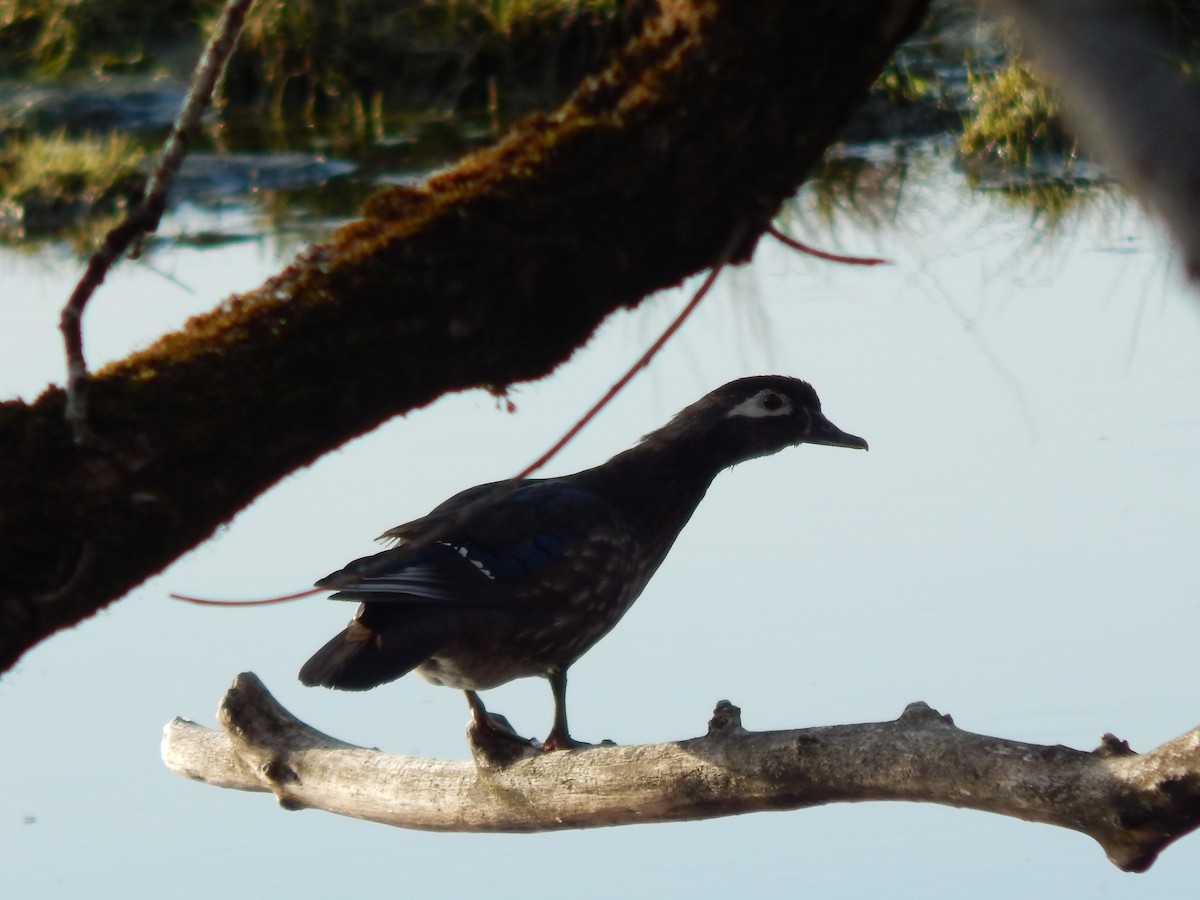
(563, 741)
(494, 742)
(560, 736)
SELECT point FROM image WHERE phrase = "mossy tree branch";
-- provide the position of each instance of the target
(1134, 805)
(489, 273)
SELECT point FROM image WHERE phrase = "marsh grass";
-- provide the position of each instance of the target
(867, 192)
(1052, 203)
(53, 185)
(320, 55)
(354, 56)
(49, 38)
(1014, 118)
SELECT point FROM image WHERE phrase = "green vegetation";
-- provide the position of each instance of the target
(1015, 117)
(1014, 147)
(510, 16)
(1051, 202)
(342, 56)
(900, 83)
(53, 185)
(851, 188)
(353, 55)
(912, 74)
(341, 77)
(49, 38)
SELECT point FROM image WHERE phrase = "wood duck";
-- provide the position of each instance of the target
(527, 584)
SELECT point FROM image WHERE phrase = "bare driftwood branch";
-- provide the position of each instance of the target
(1133, 804)
(1129, 102)
(143, 218)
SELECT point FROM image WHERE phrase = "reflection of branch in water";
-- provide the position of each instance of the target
(853, 190)
(1052, 202)
(874, 194)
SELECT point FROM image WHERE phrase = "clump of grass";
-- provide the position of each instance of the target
(349, 55)
(507, 16)
(1052, 202)
(865, 192)
(1016, 117)
(901, 83)
(52, 184)
(341, 56)
(1015, 149)
(47, 38)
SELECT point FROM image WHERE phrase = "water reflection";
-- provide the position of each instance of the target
(1017, 549)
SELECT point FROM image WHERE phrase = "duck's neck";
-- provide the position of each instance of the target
(657, 484)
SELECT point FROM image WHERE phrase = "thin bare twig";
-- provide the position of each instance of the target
(825, 254)
(734, 240)
(378, 563)
(145, 216)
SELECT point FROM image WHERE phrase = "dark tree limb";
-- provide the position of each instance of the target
(489, 273)
(1134, 805)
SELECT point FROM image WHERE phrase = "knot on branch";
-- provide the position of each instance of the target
(726, 720)
(1111, 745)
(921, 713)
(498, 748)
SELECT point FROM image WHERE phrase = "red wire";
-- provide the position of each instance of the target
(284, 599)
(823, 254)
(641, 363)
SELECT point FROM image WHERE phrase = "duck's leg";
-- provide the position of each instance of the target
(560, 737)
(487, 726)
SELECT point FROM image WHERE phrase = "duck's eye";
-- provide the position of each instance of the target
(763, 404)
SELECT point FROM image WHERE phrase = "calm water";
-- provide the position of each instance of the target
(1017, 549)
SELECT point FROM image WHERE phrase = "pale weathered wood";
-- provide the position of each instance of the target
(1133, 804)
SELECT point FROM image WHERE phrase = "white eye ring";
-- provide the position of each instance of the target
(762, 405)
